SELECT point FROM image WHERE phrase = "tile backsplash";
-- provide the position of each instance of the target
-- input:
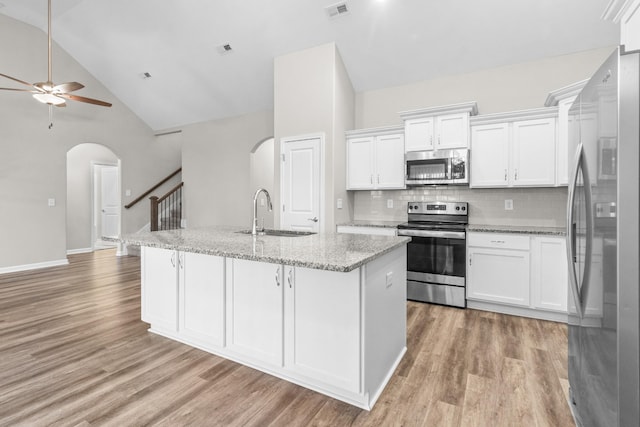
(540, 207)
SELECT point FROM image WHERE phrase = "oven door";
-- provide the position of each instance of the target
(436, 256)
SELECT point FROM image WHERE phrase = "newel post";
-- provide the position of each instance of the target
(153, 223)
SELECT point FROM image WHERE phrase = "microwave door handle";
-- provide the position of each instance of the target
(571, 233)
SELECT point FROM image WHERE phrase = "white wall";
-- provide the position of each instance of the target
(509, 88)
(216, 168)
(33, 161)
(313, 94)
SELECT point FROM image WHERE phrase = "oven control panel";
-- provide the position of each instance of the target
(438, 208)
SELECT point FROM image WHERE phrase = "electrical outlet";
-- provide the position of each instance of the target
(261, 201)
(51, 202)
(339, 203)
(127, 192)
(390, 203)
(389, 279)
(508, 205)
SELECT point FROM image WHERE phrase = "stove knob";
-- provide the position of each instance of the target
(464, 208)
(410, 207)
(457, 208)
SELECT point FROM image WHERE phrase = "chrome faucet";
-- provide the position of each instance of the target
(254, 224)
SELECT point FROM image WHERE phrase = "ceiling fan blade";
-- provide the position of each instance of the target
(83, 99)
(67, 87)
(16, 80)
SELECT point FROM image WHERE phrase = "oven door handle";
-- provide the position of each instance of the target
(460, 235)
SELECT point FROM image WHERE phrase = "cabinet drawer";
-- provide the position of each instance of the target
(498, 241)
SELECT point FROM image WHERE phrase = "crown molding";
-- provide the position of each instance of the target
(384, 130)
(465, 107)
(512, 116)
(564, 92)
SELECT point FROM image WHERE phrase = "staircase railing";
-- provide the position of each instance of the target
(149, 191)
(166, 211)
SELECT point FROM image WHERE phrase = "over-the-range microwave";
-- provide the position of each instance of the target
(437, 167)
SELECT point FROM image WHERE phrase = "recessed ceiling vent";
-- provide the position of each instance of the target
(224, 49)
(145, 75)
(336, 10)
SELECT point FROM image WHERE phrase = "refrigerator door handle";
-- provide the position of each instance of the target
(579, 290)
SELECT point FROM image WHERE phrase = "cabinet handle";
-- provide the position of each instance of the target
(516, 175)
(278, 277)
(430, 139)
(181, 261)
(469, 260)
(371, 179)
(505, 174)
(498, 241)
(289, 279)
(173, 259)
(438, 139)
(378, 179)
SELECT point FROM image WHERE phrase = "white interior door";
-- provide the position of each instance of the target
(110, 201)
(301, 183)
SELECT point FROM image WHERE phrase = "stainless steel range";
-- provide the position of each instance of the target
(436, 254)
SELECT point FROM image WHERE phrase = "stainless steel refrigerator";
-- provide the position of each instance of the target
(602, 246)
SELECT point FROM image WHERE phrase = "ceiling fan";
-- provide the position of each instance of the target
(50, 93)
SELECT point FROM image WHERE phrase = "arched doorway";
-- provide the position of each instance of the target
(261, 174)
(93, 197)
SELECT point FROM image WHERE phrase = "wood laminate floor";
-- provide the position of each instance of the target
(74, 352)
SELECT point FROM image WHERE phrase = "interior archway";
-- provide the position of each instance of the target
(261, 174)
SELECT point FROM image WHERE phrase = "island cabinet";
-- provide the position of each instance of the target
(255, 310)
(514, 149)
(341, 333)
(438, 128)
(182, 292)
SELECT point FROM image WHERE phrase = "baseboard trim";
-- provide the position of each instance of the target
(35, 266)
(79, 251)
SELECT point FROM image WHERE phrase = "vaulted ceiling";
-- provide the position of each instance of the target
(382, 42)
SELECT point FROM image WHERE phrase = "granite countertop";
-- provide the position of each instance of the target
(371, 223)
(325, 251)
(518, 229)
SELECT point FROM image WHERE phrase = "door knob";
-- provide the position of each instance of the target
(314, 219)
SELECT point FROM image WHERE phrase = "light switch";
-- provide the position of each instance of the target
(339, 203)
(51, 202)
(390, 203)
(127, 192)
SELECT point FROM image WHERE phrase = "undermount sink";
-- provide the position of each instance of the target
(280, 233)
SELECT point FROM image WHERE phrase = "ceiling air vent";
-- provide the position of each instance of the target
(338, 9)
(224, 49)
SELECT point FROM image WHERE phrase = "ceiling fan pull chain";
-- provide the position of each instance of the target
(50, 116)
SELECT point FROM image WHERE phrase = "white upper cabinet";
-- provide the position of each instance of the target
(563, 98)
(375, 159)
(514, 149)
(627, 14)
(438, 128)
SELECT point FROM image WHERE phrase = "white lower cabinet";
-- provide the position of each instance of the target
(499, 271)
(341, 334)
(255, 309)
(322, 329)
(549, 273)
(160, 287)
(518, 274)
(202, 298)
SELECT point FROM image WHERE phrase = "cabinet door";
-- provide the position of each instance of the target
(389, 162)
(418, 134)
(498, 276)
(202, 298)
(534, 152)
(160, 288)
(452, 131)
(360, 158)
(549, 276)
(489, 155)
(323, 326)
(255, 310)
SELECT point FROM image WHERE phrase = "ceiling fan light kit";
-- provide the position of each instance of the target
(48, 92)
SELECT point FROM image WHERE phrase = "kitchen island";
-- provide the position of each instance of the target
(325, 311)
